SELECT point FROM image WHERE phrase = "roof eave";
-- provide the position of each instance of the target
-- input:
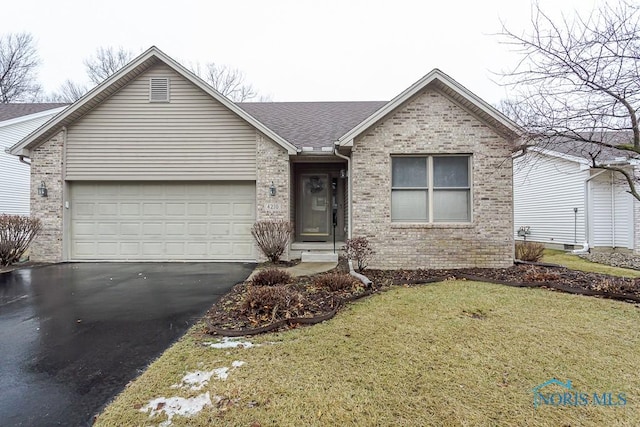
(447, 84)
(115, 82)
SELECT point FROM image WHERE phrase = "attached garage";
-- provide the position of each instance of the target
(154, 165)
(159, 221)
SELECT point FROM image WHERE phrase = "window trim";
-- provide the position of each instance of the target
(431, 189)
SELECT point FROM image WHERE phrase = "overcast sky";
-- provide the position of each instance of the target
(290, 50)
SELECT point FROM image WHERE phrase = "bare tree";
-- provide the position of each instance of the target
(69, 92)
(105, 62)
(18, 68)
(578, 84)
(227, 80)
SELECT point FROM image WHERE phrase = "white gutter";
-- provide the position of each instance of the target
(22, 160)
(585, 247)
(349, 182)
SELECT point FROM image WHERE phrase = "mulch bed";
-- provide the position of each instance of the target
(227, 317)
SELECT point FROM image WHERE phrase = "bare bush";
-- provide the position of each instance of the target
(358, 250)
(16, 234)
(336, 281)
(529, 251)
(274, 302)
(272, 237)
(271, 277)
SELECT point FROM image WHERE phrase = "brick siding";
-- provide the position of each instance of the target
(46, 166)
(430, 123)
(272, 166)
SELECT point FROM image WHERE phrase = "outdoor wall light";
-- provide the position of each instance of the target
(42, 190)
(343, 173)
(272, 189)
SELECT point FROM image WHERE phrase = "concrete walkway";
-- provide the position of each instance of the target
(303, 269)
(309, 268)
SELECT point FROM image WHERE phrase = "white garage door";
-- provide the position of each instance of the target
(162, 221)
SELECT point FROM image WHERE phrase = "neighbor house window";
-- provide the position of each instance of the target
(431, 188)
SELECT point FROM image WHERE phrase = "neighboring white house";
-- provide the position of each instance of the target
(562, 202)
(16, 122)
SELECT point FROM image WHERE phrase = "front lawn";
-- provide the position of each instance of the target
(574, 262)
(451, 353)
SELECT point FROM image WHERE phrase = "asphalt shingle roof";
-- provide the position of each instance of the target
(311, 124)
(12, 111)
(588, 150)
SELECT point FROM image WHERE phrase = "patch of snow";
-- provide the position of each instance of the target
(221, 373)
(176, 406)
(227, 342)
(194, 380)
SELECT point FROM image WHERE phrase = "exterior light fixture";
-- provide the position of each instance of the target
(42, 189)
(343, 173)
(272, 189)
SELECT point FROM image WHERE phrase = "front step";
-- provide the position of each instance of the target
(319, 257)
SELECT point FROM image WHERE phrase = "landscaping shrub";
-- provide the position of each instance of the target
(534, 274)
(271, 277)
(274, 302)
(272, 237)
(336, 281)
(358, 250)
(529, 251)
(16, 233)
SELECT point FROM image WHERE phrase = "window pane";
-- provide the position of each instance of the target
(409, 172)
(409, 205)
(451, 206)
(451, 171)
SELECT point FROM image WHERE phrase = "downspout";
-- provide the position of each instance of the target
(349, 181)
(613, 214)
(364, 279)
(587, 214)
(22, 160)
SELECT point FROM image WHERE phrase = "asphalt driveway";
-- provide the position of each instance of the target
(73, 335)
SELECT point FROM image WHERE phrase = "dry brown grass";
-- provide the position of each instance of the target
(574, 262)
(453, 353)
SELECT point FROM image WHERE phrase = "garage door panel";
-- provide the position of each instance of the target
(108, 208)
(243, 209)
(242, 249)
(162, 221)
(108, 229)
(199, 209)
(129, 248)
(107, 249)
(220, 209)
(132, 209)
(175, 209)
(84, 209)
(130, 229)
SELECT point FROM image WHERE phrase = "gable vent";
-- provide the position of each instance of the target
(159, 89)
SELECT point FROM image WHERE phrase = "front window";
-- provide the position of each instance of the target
(431, 188)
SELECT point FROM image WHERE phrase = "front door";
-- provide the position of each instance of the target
(314, 220)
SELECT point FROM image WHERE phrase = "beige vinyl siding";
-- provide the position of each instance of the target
(191, 137)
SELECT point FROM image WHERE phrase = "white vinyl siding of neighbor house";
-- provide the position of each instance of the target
(191, 137)
(611, 224)
(546, 191)
(14, 175)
